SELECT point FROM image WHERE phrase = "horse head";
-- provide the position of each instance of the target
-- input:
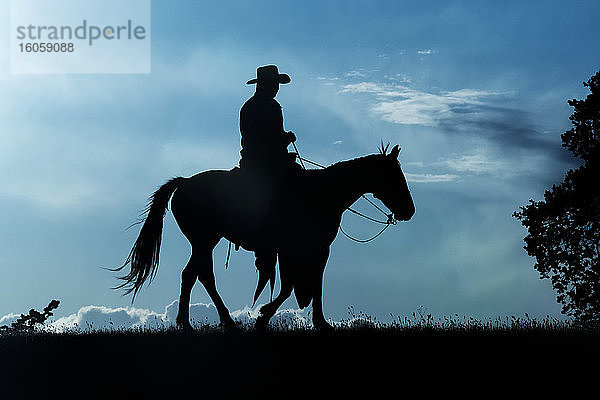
(392, 188)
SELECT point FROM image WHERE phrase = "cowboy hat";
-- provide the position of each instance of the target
(269, 73)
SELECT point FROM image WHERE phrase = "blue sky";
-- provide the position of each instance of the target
(474, 93)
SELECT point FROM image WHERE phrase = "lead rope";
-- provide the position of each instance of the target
(390, 217)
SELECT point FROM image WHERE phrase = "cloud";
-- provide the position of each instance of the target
(430, 178)
(68, 142)
(508, 132)
(286, 317)
(9, 319)
(355, 74)
(402, 78)
(475, 163)
(94, 317)
(378, 89)
(467, 112)
(403, 105)
(102, 318)
(478, 162)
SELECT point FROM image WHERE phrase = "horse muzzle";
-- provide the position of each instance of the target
(405, 215)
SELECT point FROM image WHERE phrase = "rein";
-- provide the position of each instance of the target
(390, 217)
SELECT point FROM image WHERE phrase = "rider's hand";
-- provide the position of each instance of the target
(291, 137)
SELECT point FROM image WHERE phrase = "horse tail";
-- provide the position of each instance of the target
(143, 257)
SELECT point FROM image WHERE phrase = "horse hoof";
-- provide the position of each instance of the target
(229, 326)
(324, 327)
(262, 323)
(264, 310)
(184, 325)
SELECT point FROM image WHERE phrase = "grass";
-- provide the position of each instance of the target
(292, 360)
(419, 323)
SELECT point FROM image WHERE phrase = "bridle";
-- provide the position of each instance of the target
(390, 216)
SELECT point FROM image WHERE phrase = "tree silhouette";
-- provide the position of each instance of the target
(31, 321)
(564, 228)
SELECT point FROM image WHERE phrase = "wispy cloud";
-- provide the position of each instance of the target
(430, 178)
(355, 74)
(464, 111)
(476, 163)
(69, 145)
(478, 113)
(458, 166)
(403, 105)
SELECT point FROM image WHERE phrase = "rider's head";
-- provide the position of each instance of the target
(268, 79)
(267, 88)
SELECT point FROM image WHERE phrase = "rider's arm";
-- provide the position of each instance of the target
(287, 137)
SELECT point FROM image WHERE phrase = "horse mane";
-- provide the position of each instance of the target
(383, 148)
(340, 168)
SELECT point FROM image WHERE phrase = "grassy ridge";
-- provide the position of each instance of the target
(296, 362)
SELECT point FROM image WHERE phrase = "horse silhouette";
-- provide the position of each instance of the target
(300, 222)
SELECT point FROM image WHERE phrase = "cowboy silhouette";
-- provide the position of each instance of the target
(264, 141)
(265, 158)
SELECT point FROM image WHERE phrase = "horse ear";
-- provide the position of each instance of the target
(395, 151)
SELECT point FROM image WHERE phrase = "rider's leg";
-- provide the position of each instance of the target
(265, 264)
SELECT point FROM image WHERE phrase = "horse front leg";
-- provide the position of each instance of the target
(319, 321)
(320, 261)
(287, 262)
(268, 310)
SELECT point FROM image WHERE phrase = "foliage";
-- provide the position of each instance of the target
(564, 228)
(29, 322)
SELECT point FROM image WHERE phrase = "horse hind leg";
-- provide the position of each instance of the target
(200, 266)
(188, 278)
(206, 276)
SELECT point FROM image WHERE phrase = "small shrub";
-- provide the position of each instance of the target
(31, 321)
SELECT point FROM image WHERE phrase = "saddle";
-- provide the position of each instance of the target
(260, 196)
